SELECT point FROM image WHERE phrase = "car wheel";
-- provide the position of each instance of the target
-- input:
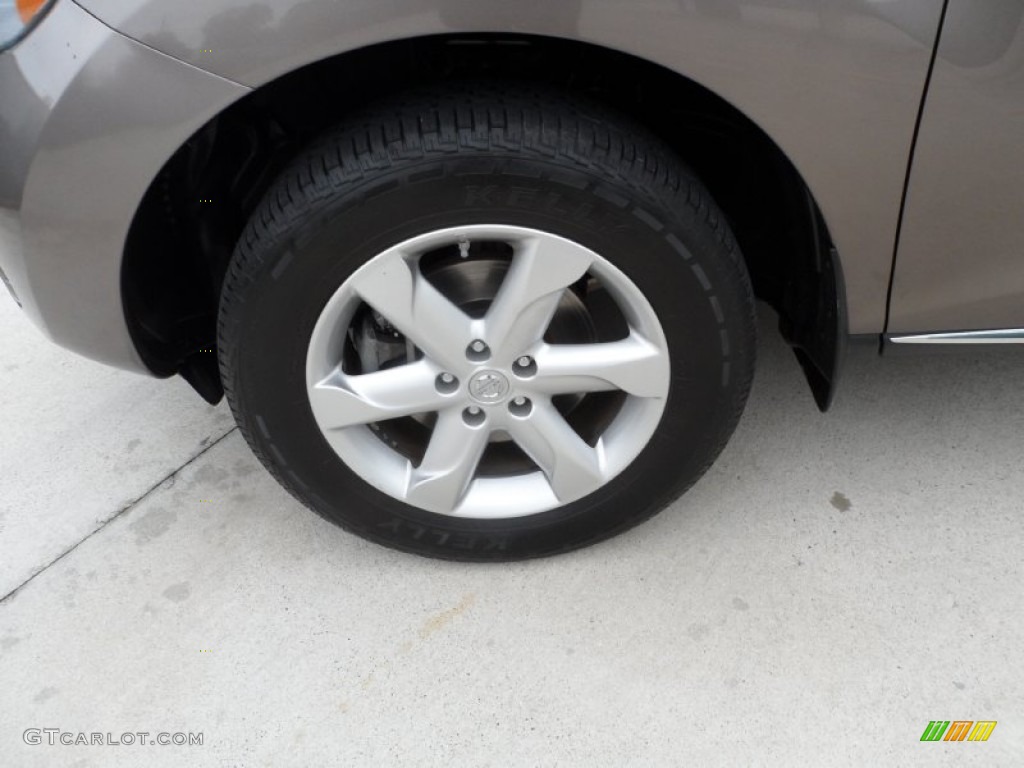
(487, 324)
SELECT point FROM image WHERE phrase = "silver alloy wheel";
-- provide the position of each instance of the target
(487, 379)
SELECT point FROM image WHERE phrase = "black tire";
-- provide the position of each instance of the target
(486, 154)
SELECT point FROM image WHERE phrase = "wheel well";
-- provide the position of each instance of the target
(186, 227)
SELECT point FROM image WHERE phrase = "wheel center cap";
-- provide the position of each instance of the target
(489, 387)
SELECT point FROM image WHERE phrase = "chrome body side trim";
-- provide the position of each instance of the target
(998, 336)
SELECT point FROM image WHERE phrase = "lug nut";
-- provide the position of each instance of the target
(446, 383)
(474, 416)
(520, 406)
(478, 351)
(525, 367)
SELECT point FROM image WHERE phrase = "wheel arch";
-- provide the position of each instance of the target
(187, 224)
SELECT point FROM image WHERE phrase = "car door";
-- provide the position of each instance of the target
(960, 261)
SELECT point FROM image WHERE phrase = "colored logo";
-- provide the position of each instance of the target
(958, 730)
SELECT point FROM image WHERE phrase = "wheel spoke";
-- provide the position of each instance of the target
(399, 292)
(444, 475)
(342, 400)
(572, 467)
(633, 365)
(530, 292)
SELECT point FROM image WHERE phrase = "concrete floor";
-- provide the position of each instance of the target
(830, 587)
